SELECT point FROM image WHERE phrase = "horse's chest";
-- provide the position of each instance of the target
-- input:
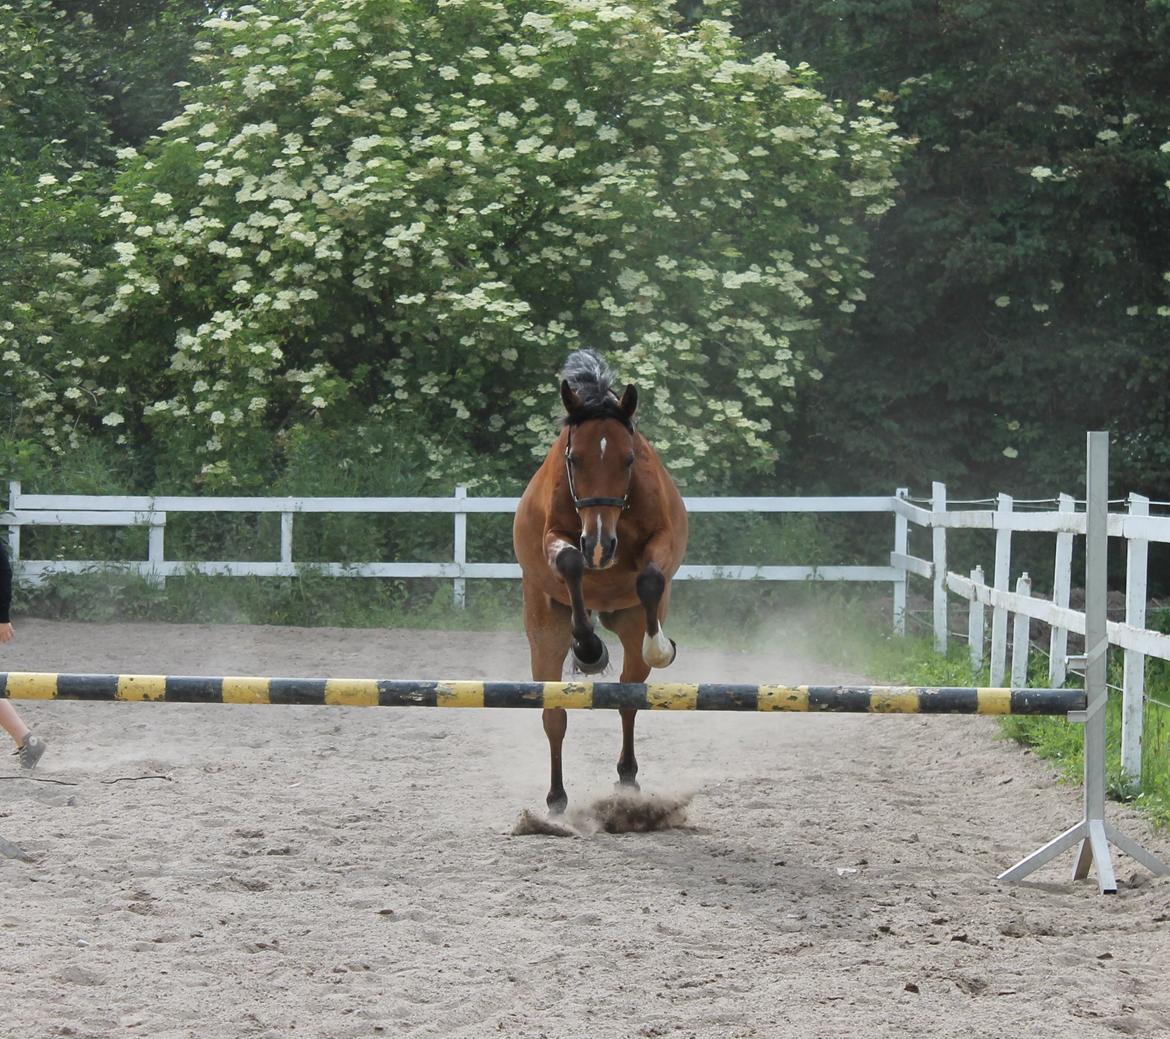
(610, 589)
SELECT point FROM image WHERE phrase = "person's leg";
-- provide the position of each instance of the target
(11, 722)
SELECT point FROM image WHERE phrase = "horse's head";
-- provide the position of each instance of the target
(599, 461)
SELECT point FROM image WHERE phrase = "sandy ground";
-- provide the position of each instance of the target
(333, 872)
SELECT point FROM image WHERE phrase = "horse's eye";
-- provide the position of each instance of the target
(629, 461)
(574, 459)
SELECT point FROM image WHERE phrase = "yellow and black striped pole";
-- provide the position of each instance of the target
(372, 692)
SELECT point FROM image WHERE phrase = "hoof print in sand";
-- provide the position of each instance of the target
(530, 824)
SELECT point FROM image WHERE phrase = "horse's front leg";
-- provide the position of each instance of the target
(589, 652)
(657, 649)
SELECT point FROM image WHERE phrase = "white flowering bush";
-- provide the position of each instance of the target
(378, 211)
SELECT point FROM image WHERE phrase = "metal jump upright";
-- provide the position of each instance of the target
(1092, 831)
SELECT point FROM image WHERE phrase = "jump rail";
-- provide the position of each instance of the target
(654, 696)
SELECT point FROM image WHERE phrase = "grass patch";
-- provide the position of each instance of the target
(914, 661)
(714, 614)
(307, 601)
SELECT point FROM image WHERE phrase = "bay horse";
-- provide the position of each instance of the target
(601, 527)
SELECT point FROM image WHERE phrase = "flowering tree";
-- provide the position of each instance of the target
(404, 214)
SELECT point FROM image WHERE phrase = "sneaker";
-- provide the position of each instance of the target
(30, 751)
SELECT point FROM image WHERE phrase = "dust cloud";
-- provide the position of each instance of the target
(623, 812)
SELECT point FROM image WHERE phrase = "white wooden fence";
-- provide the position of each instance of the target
(152, 512)
(1061, 519)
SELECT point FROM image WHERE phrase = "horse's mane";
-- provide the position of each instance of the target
(591, 380)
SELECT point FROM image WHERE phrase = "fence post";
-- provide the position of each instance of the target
(14, 530)
(938, 535)
(1094, 847)
(286, 537)
(1134, 695)
(1061, 583)
(975, 625)
(1093, 833)
(459, 584)
(1020, 641)
(902, 545)
(156, 549)
(1003, 563)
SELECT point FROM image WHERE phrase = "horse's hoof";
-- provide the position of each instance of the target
(587, 667)
(659, 650)
(557, 803)
(627, 786)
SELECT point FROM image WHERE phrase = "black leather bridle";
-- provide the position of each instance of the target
(587, 503)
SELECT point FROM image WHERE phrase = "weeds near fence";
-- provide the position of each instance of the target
(713, 614)
(306, 601)
(913, 660)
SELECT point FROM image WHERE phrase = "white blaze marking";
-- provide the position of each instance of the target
(603, 443)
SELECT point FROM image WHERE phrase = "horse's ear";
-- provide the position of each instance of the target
(572, 401)
(630, 401)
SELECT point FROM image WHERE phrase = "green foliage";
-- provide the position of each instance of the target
(142, 53)
(47, 69)
(1019, 293)
(371, 211)
(51, 142)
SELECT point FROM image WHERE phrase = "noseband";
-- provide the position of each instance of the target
(587, 503)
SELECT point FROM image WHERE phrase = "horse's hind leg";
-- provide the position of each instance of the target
(547, 625)
(556, 722)
(630, 626)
